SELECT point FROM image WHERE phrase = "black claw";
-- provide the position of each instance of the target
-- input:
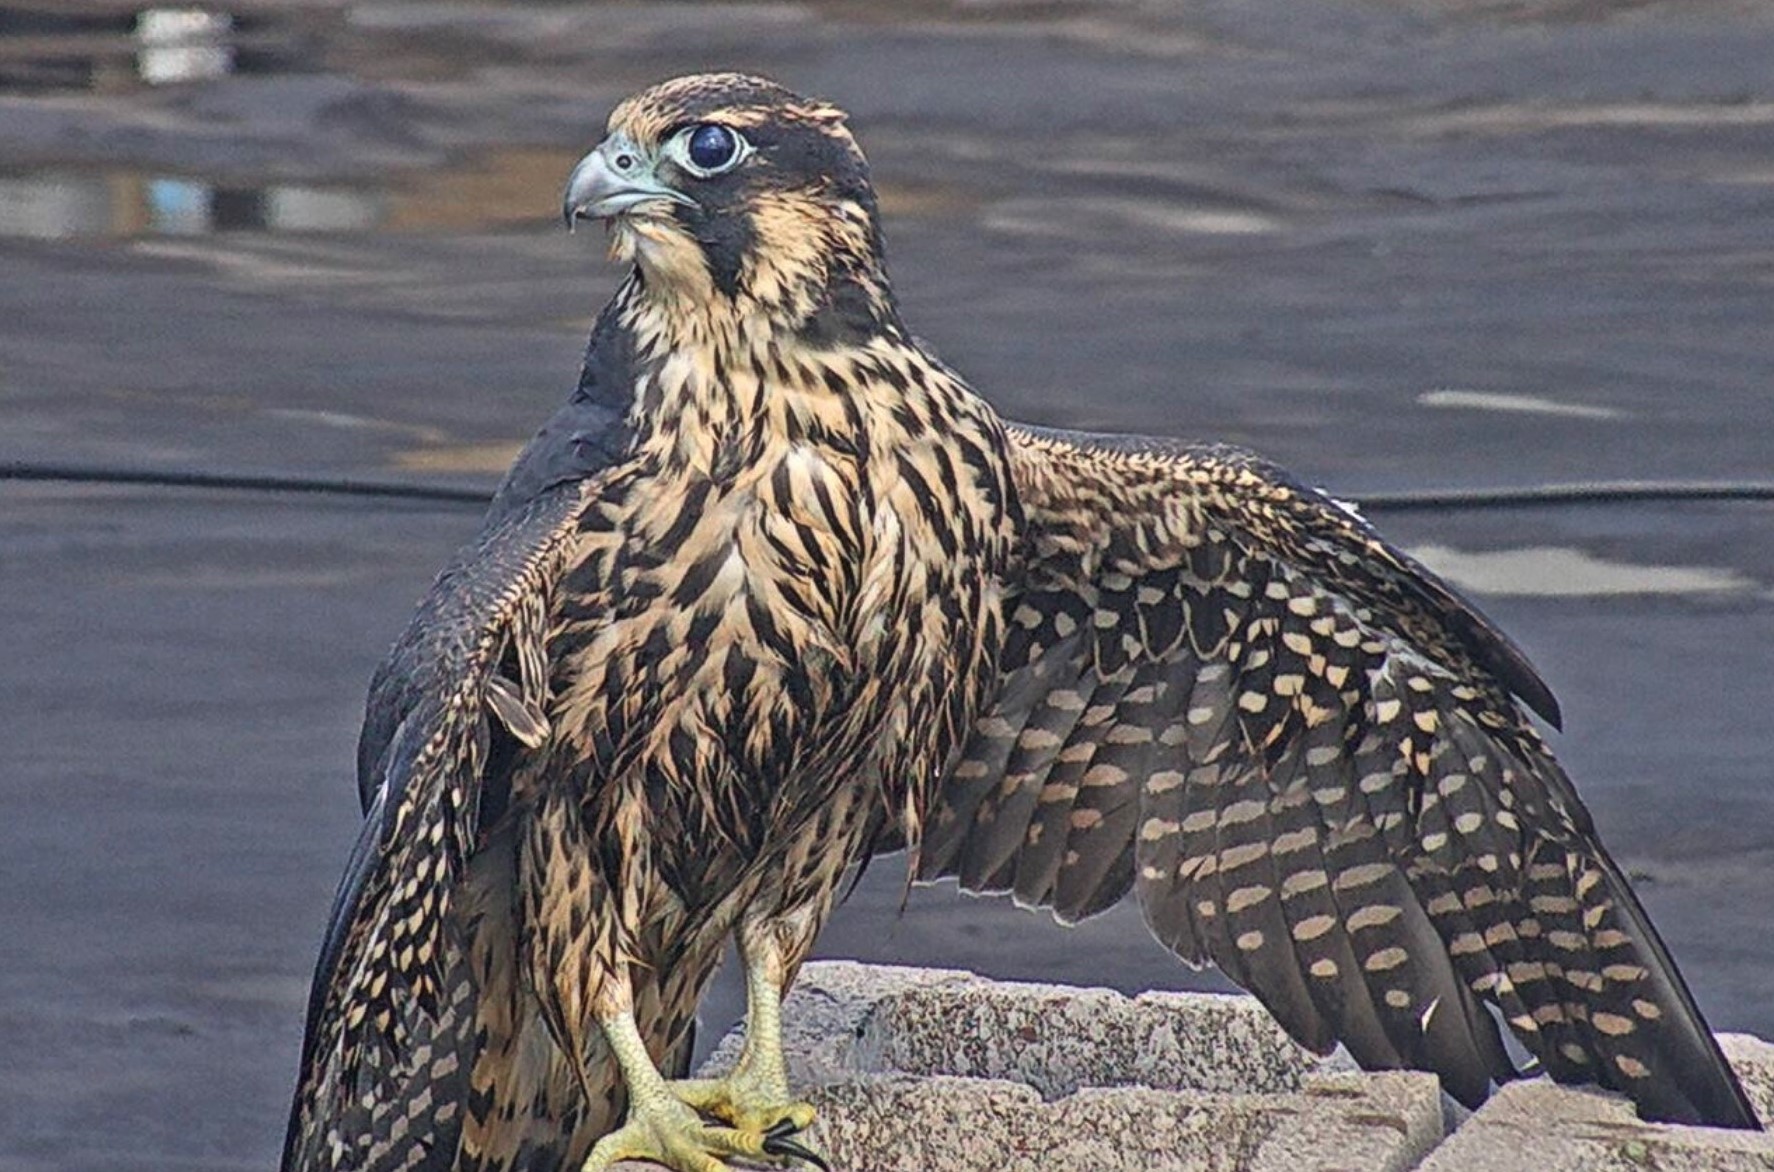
(779, 1141)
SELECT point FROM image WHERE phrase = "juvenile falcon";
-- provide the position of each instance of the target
(776, 590)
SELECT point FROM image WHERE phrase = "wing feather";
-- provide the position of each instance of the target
(391, 1019)
(1309, 757)
(392, 1026)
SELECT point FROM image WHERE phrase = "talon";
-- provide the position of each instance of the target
(778, 1142)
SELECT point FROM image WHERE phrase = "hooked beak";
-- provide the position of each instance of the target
(613, 179)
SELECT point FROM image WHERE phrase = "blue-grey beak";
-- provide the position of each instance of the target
(613, 179)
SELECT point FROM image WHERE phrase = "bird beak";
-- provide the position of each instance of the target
(615, 178)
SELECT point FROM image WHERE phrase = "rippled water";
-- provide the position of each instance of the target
(50, 51)
(56, 205)
(45, 50)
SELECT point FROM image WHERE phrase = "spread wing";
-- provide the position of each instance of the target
(392, 1026)
(391, 1016)
(1305, 753)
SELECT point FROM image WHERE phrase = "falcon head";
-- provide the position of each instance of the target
(729, 186)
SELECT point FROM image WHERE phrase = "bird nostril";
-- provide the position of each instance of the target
(624, 162)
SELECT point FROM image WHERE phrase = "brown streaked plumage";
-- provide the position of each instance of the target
(775, 590)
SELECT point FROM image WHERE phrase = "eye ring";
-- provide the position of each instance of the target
(708, 149)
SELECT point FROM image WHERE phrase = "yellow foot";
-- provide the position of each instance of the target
(753, 1106)
(672, 1134)
(747, 1103)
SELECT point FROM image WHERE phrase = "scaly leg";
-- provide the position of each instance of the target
(661, 1126)
(754, 1096)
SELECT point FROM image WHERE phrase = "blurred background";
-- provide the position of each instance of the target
(1393, 244)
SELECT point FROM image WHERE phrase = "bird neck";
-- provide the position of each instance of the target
(717, 380)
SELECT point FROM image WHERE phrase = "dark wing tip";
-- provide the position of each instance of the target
(1496, 652)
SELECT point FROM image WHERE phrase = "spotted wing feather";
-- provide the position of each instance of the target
(1305, 753)
(391, 1025)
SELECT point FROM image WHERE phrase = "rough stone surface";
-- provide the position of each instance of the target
(898, 1123)
(1058, 1039)
(1753, 1059)
(1539, 1127)
(915, 1069)
(929, 1068)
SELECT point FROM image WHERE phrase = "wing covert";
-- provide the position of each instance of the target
(1304, 752)
(591, 430)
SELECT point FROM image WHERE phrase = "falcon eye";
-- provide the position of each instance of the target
(712, 148)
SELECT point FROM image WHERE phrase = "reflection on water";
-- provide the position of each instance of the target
(1562, 572)
(61, 205)
(512, 186)
(183, 44)
(45, 48)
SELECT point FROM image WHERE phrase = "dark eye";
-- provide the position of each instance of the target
(713, 148)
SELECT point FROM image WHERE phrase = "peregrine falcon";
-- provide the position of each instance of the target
(776, 591)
